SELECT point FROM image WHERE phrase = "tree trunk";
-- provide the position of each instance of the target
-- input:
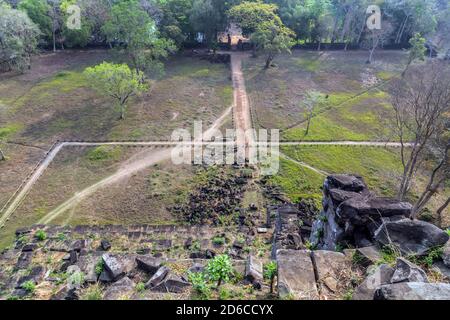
(441, 210)
(122, 111)
(271, 284)
(268, 62)
(219, 282)
(54, 40)
(308, 124)
(2, 155)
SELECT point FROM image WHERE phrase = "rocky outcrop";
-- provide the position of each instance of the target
(411, 237)
(329, 267)
(414, 291)
(254, 271)
(296, 279)
(406, 271)
(377, 277)
(351, 214)
(446, 254)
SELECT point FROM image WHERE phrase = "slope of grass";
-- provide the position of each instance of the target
(378, 166)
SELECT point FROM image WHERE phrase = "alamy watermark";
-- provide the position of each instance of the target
(252, 147)
(74, 17)
(374, 20)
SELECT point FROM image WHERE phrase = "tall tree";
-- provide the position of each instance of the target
(116, 81)
(312, 100)
(420, 99)
(417, 50)
(133, 31)
(18, 38)
(272, 39)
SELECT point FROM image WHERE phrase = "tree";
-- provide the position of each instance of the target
(270, 272)
(210, 17)
(39, 13)
(267, 32)
(436, 181)
(74, 37)
(377, 37)
(18, 38)
(250, 15)
(133, 31)
(116, 81)
(420, 99)
(175, 23)
(272, 39)
(219, 269)
(311, 101)
(417, 50)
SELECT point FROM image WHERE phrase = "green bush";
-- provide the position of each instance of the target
(93, 293)
(270, 272)
(219, 269)
(140, 287)
(29, 286)
(99, 267)
(218, 241)
(41, 235)
(200, 284)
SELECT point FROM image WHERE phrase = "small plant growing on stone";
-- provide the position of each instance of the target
(29, 286)
(76, 280)
(200, 284)
(23, 239)
(94, 292)
(62, 236)
(219, 269)
(99, 267)
(448, 231)
(224, 293)
(348, 295)
(41, 235)
(270, 272)
(140, 287)
(218, 241)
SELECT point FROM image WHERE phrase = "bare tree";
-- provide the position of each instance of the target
(438, 177)
(441, 210)
(376, 38)
(312, 100)
(420, 100)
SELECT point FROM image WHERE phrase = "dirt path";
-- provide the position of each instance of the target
(140, 162)
(243, 123)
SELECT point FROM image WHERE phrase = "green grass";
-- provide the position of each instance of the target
(298, 182)
(104, 153)
(9, 130)
(346, 118)
(385, 75)
(308, 64)
(378, 166)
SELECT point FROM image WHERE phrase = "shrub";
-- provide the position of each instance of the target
(218, 241)
(99, 267)
(29, 286)
(200, 284)
(224, 293)
(93, 293)
(41, 235)
(270, 271)
(219, 269)
(76, 280)
(140, 287)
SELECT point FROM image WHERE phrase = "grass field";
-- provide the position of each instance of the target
(357, 106)
(381, 169)
(53, 102)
